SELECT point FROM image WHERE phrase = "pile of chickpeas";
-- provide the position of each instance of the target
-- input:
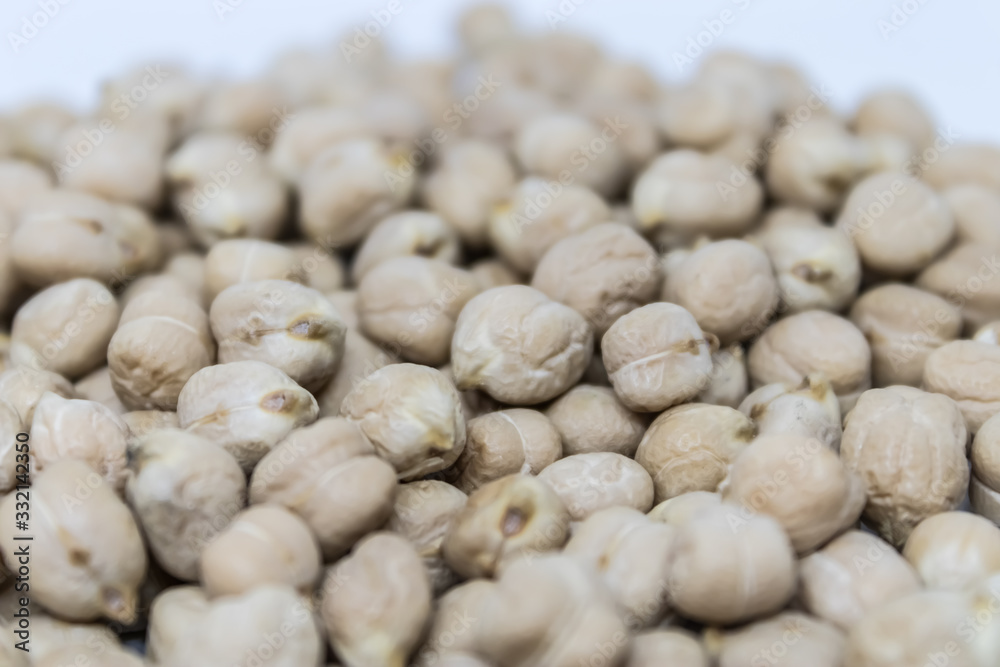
(523, 359)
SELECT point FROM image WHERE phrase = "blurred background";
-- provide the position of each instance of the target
(946, 54)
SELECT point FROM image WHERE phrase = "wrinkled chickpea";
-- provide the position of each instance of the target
(909, 447)
(184, 490)
(361, 358)
(246, 407)
(287, 325)
(675, 511)
(728, 383)
(967, 372)
(312, 130)
(404, 234)
(805, 640)
(984, 487)
(590, 418)
(248, 260)
(587, 483)
(22, 387)
(689, 448)
(507, 442)
(809, 409)
(329, 475)
(957, 277)
(975, 209)
(504, 520)
(519, 346)
(424, 513)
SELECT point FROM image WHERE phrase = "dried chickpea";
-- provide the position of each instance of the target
(897, 223)
(964, 163)
(698, 115)
(80, 430)
(689, 447)
(728, 286)
(490, 273)
(20, 182)
(184, 490)
(361, 358)
(984, 487)
(957, 276)
(656, 356)
(976, 208)
(381, 602)
(456, 619)
(312, 130)
(262, 545)
(504, 520)
(538, 214)
(413, 302)
(728, 383)
(903, 326)
(592, 419)
(809, 409)
(800, 482)
(248, 260)
(808, 342)
(90, 558)
(65, 328)
(802, 639)
(678, 191)
(909, 447)
(329, 475)
(677, 647)
(587, 483)
(321, 269)
(967, 372)
(22, 387)
(954, 550)
(246, 407)
(728, 567)
(504, 443)
(602, 273)
(282, 323)
(518, 346)
(10, 426)
(897, 113)
(346, 303)
(412, 415)
(96, 386)
(405, 234)
(675, 511)
(35, 130)
(424, 513)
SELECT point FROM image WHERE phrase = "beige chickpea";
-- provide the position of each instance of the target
(287, 325)
(903, 326)
(958, 277)
(412, 415)
(728, 567)
(244, 107)
(729, 287)
(750, 82)
(424, 514)
(246, 407)
(897, 223)
(22, 387)
(909, 447)
(966, 371)
(675, 511)
(852, 575)
(81, 312)
(248, 260)
(588, 483)
(328, 474)
(455, 623)
(728, 382)
(187, 629)
(189, 269)
(963, 163)
(161, 341)
(689, 447)
(954, 550)
(984, 486)
(786, 639)
(20, 182)
(809, 409)
(678, 647)
(816, 165)
(552, 145)
(602, 273)
(264, 544)
(404, 234)
(469, 179)
(112, 656)
(96, 386)
(345, 301)
(349, 187)
(504, 520)
(50, 635)
(699, 115)
(632, 554)
(380, 602)
(894, 112)
(482, 28)
(176, 97)
(412, 302)
(10, 426)
(96, 239)
(519, 346)
(678, 191)
(975, 208)
(490, 273)
(312, 130)
(800, 482)
(504, 443)
(35, 130)
(817, 267)
(592, 419)
(656, 356)
(569, 618)
(926, 626)
(184, 491)
(361, 358)
(80, 430)
(538, 214)
(89, 557)
(815, 340)
(321, 268)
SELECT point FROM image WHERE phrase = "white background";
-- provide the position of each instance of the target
(947, 53)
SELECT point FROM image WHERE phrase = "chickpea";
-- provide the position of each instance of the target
(404, 234)
(22, 387)
(592, 419)
(312, 130)
(806, 641)
(424, 513)
(964, 163)
(245, 261)
(954, 550)
(728, 383)
(678, 647)
(675, 511)
(957, 276)
(975, 208)
(809, 409)
(965, 371)
(361, 358)
(984, 488)
(896, 113)
(587, 483)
